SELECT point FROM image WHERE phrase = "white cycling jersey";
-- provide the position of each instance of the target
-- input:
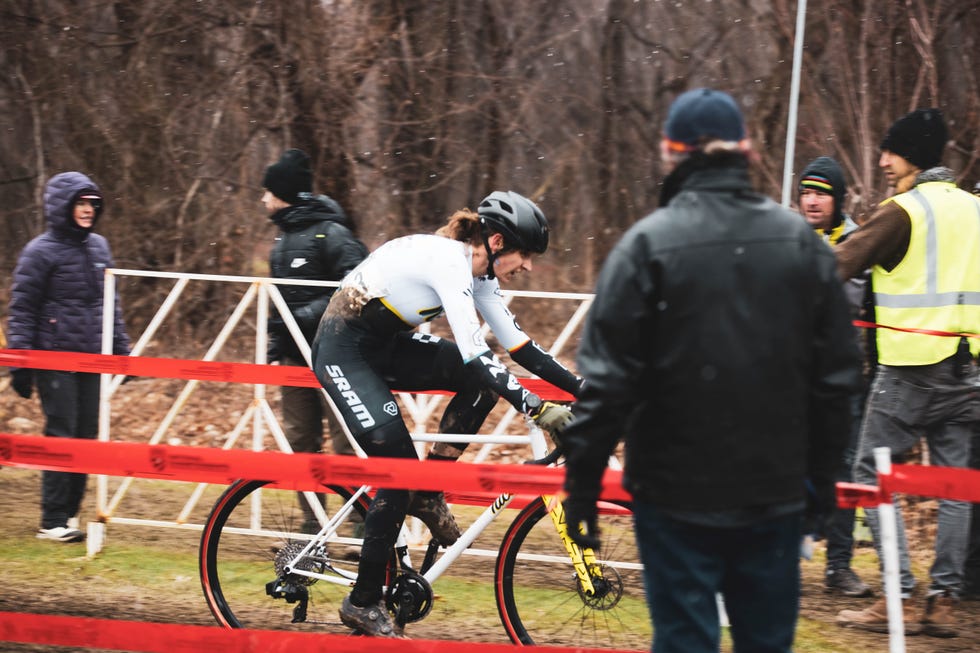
(420, 277)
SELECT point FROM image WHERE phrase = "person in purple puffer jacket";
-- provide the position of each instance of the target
(56, 305)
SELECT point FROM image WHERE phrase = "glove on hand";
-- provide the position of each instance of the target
(553, 418)
(581, 516)
(22, 380)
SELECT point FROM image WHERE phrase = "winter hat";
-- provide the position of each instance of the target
(918, 137)
(289, 176)
(825, 175)
(703, 115)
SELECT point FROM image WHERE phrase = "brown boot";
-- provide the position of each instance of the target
(431, 508)
(937, 618)
(875, 618)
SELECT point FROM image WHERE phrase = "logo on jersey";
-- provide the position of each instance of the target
(391, 408)
(425, 337)
(297, 262)
(361, 413)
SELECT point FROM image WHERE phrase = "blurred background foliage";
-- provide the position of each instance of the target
(412, 109)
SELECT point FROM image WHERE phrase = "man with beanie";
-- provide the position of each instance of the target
(821, 202)
(314, 242)
(821, 199)
(726, 412)
(56, 305)
(923, 248)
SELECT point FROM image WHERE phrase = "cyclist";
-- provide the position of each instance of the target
(366, 346)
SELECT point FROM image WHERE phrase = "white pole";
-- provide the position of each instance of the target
(889, 551)
(794, 101)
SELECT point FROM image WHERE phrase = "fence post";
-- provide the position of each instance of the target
(889, 552)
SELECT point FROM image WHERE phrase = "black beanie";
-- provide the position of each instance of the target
(825, 175)
(289, 176)
(918, 137)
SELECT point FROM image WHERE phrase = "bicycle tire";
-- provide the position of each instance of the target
(537, 591)
(235, 565)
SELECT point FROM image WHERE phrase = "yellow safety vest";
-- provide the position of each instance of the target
(936, 286)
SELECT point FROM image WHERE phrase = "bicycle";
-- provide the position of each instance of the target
(547, 590)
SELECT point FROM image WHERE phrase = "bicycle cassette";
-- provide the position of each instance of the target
(409, 597)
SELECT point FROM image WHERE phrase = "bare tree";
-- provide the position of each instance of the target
(413, 109)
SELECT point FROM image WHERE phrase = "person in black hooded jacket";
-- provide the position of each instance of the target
(314, 242)
(720, 347)
(56, 305)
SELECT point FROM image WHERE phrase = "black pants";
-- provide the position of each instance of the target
(359, 367)
(70, 401)
(840, 527)
(971, 570)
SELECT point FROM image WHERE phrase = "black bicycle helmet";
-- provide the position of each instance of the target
(517, 218)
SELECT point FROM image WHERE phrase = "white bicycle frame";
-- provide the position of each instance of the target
(328, 532)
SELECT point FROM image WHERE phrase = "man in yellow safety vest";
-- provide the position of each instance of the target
(923, 247)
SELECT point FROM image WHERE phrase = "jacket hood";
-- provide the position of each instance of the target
(59, 202)
(314, 208)
(830, 170)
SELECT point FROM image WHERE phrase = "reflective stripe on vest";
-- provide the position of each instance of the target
(936, 285)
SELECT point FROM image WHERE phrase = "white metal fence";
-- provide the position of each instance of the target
(259, 421)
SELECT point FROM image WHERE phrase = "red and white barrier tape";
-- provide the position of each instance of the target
(151, 637)
(938, 482)
(927, 332)
(300, 471)
(175, 368)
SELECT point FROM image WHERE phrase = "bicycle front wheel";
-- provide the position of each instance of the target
(539, 596)
(252, 533)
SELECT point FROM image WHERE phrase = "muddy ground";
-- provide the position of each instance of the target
(61, 587)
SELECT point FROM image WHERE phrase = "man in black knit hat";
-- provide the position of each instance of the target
(923, 248)
(314, 242)
(821, 199)
(822, 191)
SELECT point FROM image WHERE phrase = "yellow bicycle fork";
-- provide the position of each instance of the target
(583, 559)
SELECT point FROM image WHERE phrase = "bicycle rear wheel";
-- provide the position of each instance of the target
(538, 594)
(252, 531)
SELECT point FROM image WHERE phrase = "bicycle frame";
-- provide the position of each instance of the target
(583, 560)
(546, 589)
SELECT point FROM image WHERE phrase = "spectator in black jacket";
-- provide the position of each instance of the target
(822, 191)
(56, 305)
(720, 347)
(314, 242)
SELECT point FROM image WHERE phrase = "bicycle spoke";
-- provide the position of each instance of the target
(244, 562)
(539, 595)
